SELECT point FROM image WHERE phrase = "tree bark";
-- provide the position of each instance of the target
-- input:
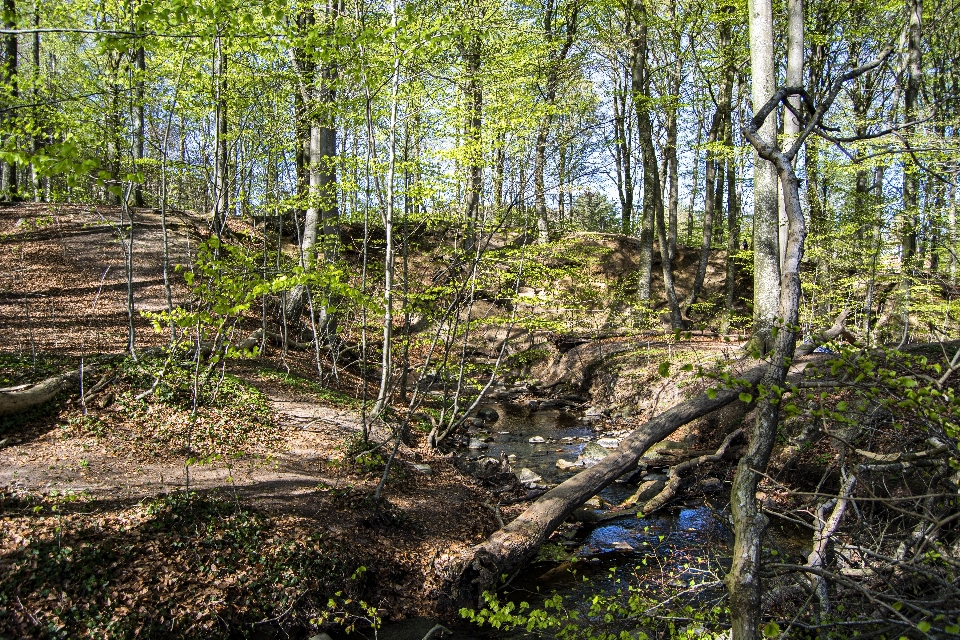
(911, 176)
(14, 401)
(473, 101)
(766, 250)
(11, 80)
(555, 58)
(743, 581)
(221, 163)
(709, 202)
(640, 84)
(139, 123)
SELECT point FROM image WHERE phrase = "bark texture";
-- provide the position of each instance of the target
(21, 400)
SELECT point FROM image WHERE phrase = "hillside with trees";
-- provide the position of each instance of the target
(571, 318)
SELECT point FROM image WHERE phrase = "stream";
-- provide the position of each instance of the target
(665, 552)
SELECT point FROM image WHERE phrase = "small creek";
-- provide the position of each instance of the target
(684, 542)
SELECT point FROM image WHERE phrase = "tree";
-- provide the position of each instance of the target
(766, 227)
(744, 578)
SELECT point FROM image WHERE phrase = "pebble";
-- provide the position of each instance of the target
(476, 443)
(424, 469)
(608, 443)
(536, 440)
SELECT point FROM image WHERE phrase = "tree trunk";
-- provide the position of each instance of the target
(139, 123)
(744, 580)
(386, 371)
(12, 85)
(508, 549)
(709, 202)
(221, 163)
(694, 181)
(766, 227)
(539, 191)
(911, 176)
(20, 400)
(623, 139)
(640, 87)
(473, 101)
(670, 150)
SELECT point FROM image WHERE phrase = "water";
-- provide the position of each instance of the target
(680, 549)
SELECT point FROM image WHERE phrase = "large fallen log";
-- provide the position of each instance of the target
(479, 568)
(22, 399)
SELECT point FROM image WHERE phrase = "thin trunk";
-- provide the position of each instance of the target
(556, 58)
(911, 176)
(952, 231)
(386, 371)
(749, 522)
(733, 235)
(473, 101)
(37, 135)
(221, 193)
(539, 191)
(139, 122)
(640, 88)
(623, 136)
(499, 170)
(695, 181)
(709, 202)
(12, 85)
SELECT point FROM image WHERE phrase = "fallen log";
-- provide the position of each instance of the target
(479, 568)
(20, 400)
(675, 477)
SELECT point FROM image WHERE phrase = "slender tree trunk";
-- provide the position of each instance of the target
(670, 150)
(744, 581)
(733, 234)
(640, 89)
(695, 181)
(623, 136)
(539, 190)
(386, 372)
(473, 101)
(952, 231)
(221, 188)
(38, 134)
(709, 202)
(766, 250)
(12, 82)
(556, 57)
(139, 122)
(911, 176)
(499, 170)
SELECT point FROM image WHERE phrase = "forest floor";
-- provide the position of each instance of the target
(95, 527)
(126, 518)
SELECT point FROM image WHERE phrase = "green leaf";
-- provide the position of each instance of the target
(924, 626)
(664, 369)
(711, 393)
(746, 397)
(771, 630)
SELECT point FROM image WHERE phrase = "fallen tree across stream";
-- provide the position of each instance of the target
(479, 568)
